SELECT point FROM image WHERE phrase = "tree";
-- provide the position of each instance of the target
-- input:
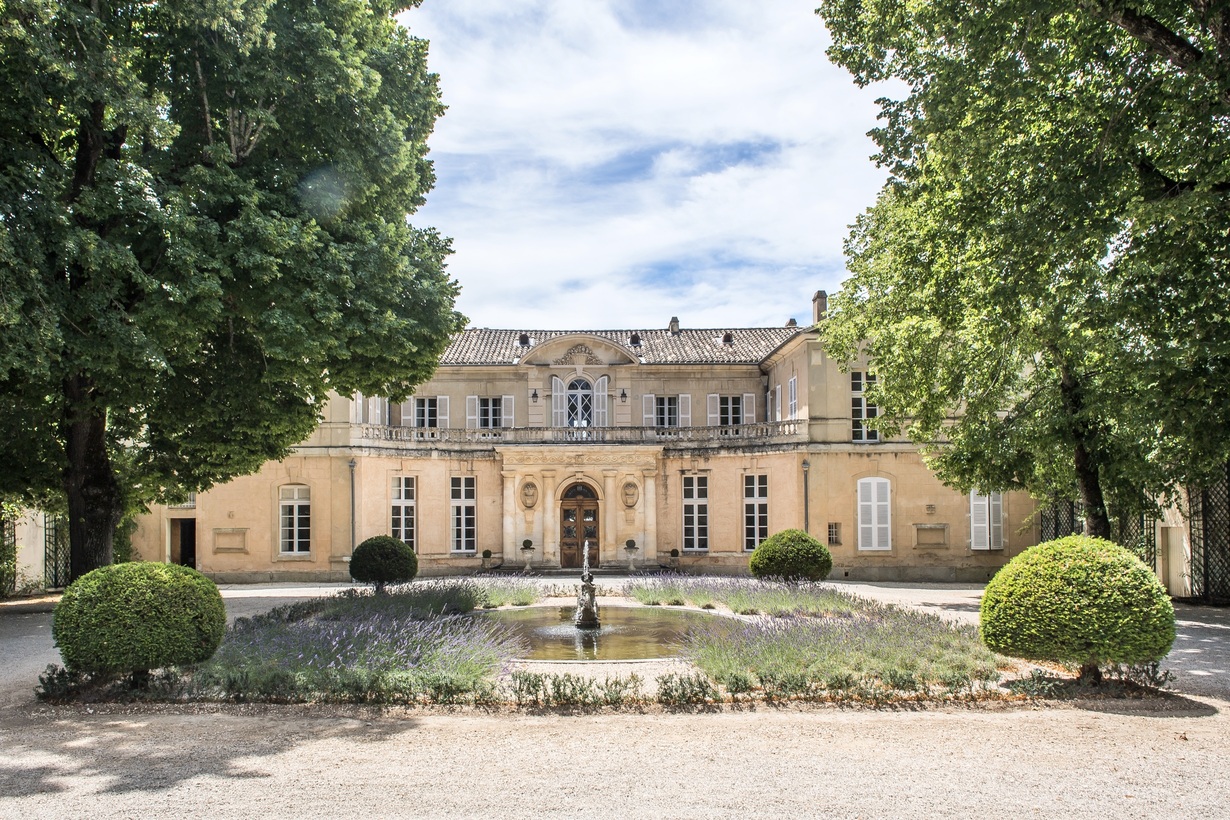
(1041, 283)
(203, 230)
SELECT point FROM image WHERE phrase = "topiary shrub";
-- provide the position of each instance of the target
(133, 617)
(1078, 600)
(793, 556)
(383, 560)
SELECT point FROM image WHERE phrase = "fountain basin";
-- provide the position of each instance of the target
(626, 632)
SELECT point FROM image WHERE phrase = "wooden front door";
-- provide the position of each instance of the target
(578, 523)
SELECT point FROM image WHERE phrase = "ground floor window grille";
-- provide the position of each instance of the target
(296, 519)
(755, 510)
(403, 520)
(695, 512)
(464, 514)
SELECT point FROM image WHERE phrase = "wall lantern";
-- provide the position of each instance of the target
(623, 396)
(534, 396)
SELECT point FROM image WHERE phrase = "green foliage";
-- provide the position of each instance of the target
(203, 231)
(382, 560)
(134, 617)
(677, 689)
(1038, 266)
(791, 555)
(1078, 600)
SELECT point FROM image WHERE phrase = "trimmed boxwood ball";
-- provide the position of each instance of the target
(133, 617)
(791, 555)
(383, 560)
(1078, 600)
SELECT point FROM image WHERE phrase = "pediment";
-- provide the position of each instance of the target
(579, 350)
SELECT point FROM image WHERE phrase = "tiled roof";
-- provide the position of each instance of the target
(748, 345)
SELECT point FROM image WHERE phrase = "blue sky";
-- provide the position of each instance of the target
(610, 163)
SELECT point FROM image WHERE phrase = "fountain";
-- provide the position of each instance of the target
(586, 616)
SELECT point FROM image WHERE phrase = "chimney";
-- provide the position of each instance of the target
(791, 322)
(819, 306)
(674, 326)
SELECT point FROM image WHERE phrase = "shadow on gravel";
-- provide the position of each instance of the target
(1165, 705)
(156, 753)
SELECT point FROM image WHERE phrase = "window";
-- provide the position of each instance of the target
(296, 519)
(489, 412)
(426, 412)
(986, 521)
(792, 393)
(777, 402)
(402, 526)
(860, 411)
(666, 411)
(874, 524)
(755, 510)
(834, 534)
(464, 514)
(731, 411)
(580, 403)
(695, 512)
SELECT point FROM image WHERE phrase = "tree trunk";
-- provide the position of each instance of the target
(1088, 481)
(95, 500)
(1090, 674)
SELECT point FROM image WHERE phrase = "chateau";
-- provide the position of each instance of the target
(671, 447)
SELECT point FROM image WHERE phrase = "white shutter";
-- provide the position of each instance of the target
(874, 519)
(600, 400)
(356, 409)
(978, 523)
(685, 409)
(471, 412)
(647, 410)
(506, 411)
(996, 514)
(714, 415)
(883, 524)
(749, 408)
(442, 412)
(777, 403)
(866, 515)
(559, 403)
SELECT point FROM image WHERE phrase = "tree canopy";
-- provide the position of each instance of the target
(203, 230)
(1042, 283)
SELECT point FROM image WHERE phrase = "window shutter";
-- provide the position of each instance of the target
(442, 412)
(749, 408)
(883, 525)
(777, 403)
(600, 401)
(395, 414)
(647, 410)
(685, 409)
(979, 537)
(559, 403)
(874, 521)
(996, 514)
(471, 412)
(711, 402)
(506, 410)
(866, 516)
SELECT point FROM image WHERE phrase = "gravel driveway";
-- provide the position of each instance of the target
(1111, 759)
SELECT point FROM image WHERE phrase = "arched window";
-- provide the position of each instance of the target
(580, 403)
(580, 490)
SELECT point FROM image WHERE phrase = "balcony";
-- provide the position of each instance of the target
(767, 432)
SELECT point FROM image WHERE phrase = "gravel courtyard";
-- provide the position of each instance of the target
(1111, 759)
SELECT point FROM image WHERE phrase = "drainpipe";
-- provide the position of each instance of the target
(352, 465)
(806, 498)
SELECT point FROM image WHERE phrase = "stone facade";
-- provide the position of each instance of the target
(696, 441)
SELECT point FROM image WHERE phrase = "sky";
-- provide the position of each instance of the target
(614, 163)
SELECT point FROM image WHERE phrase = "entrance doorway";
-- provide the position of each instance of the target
(183, 541)
(578, 523)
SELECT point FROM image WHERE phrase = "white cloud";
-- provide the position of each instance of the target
(602, 165)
